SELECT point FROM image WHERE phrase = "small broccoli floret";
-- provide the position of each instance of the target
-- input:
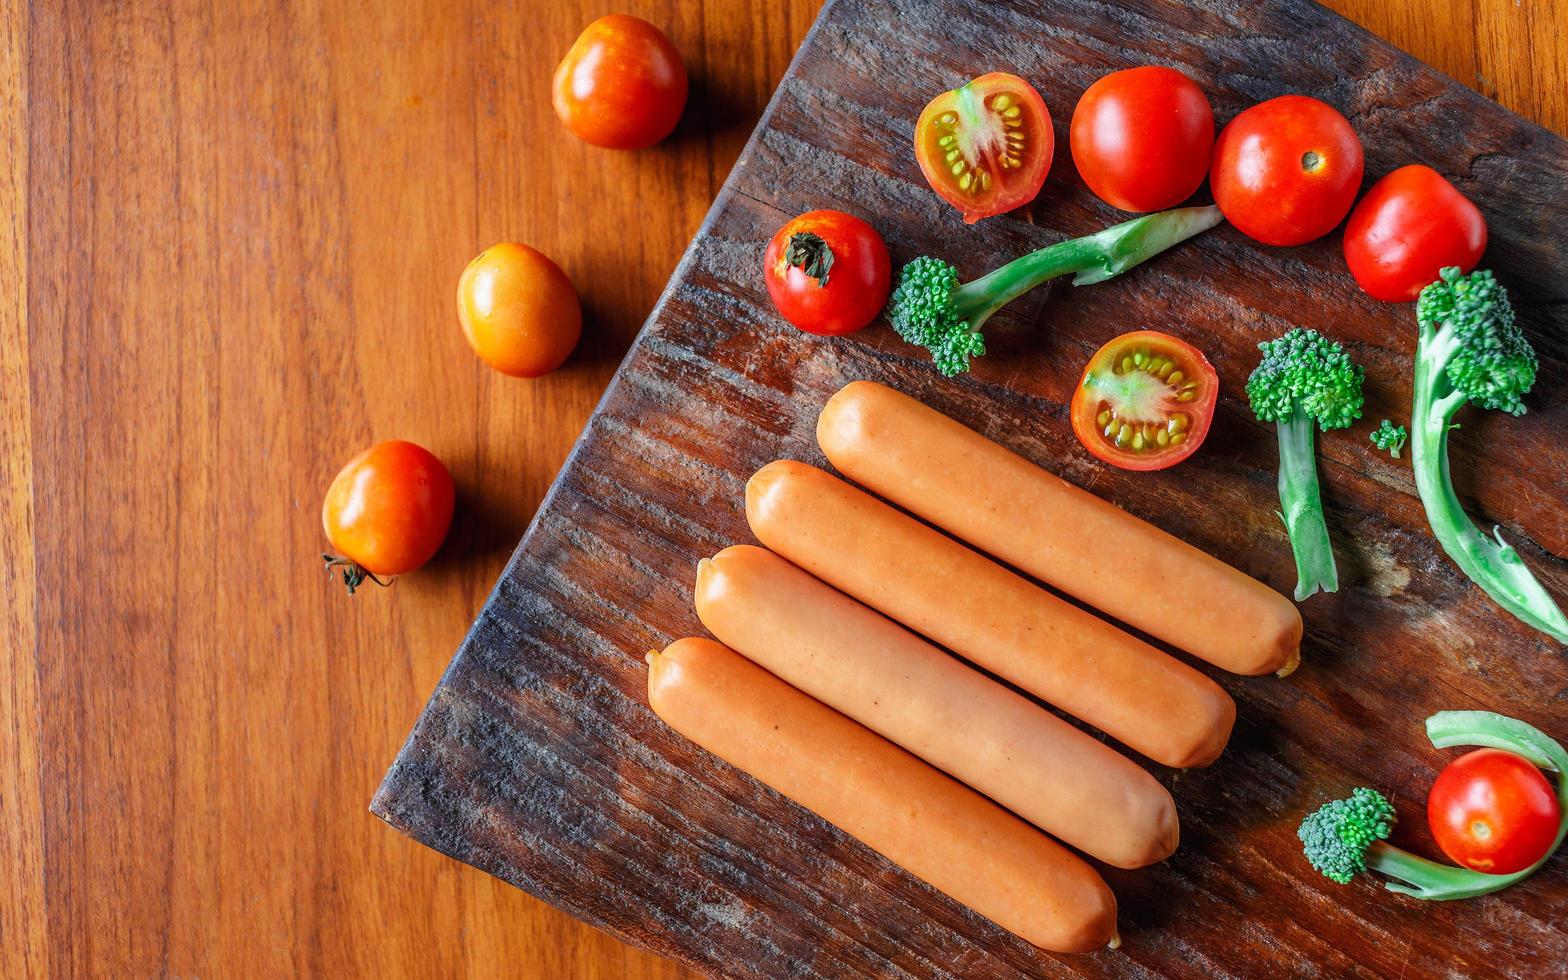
(1389, 437)
(1336, 835)
(1304, 382)
(1469, 349)
(930, 308)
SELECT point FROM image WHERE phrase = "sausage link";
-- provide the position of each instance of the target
(938, 830)
(963, 600)
(989, 496)
(865, 665)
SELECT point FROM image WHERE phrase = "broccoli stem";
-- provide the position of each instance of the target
(1429, 880)
(1301, 506)
(1492, 564)
(1092, 258)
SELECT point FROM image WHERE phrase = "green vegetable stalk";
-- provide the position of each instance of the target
(1305, 382)
(930, 308)
(1348, 837)
(1470, 350)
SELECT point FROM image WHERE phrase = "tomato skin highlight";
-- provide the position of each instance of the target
(1410, 225)
(390, 507)
(1492, 811)
(985, 134)
(622, 85)
(1286, 171)
(858, 280)
(518, 310)
(1142, 138)
(1150, 402)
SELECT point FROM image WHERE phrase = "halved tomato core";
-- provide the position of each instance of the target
(1145, 401)
(986, 147)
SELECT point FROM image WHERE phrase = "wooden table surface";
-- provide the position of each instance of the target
(235, 235)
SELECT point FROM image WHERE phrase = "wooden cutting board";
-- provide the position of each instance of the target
(539, 761)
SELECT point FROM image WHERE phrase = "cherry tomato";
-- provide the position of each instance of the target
(827, 272)
(986, 147)
(387, 511)
(1287, 170)
(622, 85)
(518, 310)
(1145, 401)
(1408, 226)
(1493, 811)
(1142, 138)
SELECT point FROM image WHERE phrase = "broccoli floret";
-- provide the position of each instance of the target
(1389, 437)
(930, 308)
(1348, 837)
(1305, 382)
(1470, 350)
(1336, 835)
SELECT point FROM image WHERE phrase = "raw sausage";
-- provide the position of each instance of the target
(989, 615)
(865, 665)
(1089, 548)
(935, 828)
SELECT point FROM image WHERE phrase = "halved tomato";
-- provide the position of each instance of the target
(986, 147)
(1145, 401)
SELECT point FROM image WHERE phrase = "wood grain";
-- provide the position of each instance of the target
(538, 759)
(233, 234)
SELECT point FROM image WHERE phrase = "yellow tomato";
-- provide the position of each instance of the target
(518, 310)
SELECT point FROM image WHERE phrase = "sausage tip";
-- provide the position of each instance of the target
(1290, 664)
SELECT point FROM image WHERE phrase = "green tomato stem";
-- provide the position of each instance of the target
(1090, 259)
(1301, 507)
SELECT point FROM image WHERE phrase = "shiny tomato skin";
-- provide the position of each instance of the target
(518, 310)
(997, 131)
(1155, 392)
(1142, 138)
(858, 280)
(389, 509)
(1492, 811)
(622, 85)
(1410, 225)
(1287, 170)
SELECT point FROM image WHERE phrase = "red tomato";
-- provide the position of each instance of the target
(622, 85)
(1408, 226)
(1142, 138)
(986, 147)
(1145, 401)
(1287, 170)
(387, 511)
(1493, 811)
(518, 310)
(828, 272)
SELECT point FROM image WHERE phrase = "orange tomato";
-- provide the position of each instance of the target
(387, 511)
(622, 85)
(518, 310)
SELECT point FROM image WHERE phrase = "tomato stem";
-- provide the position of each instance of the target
(354, 574)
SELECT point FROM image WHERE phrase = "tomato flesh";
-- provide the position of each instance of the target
(1492, 811)
(1410, 225)
(987, 146)
(1145, 401)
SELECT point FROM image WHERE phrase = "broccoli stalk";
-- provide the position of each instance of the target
(1305, 382)
(1347, 837)
(931, 309)
(1470, 350)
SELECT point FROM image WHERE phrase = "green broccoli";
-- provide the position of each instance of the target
(930, 308)
(1305, 381)
(1347, 837)
(1390, 438)
(1470, 350)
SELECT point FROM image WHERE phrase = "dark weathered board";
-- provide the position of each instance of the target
(538, 759)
